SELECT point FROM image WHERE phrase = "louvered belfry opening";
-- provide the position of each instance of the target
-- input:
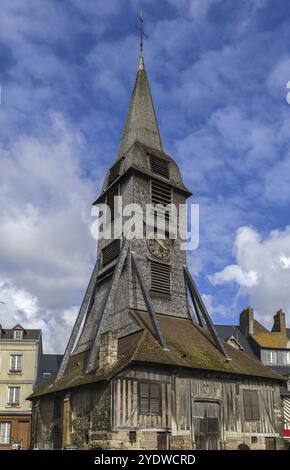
(112, 193)
(158, 165)
(161, 193)
(111, 252)
(114, 171)
(160, 278)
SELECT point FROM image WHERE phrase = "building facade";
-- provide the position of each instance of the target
(272, 348)
(141, 370)
(20, 350)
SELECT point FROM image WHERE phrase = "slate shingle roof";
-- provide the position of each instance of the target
(189, 347)
(31, 334)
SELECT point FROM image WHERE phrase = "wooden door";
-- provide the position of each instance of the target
(22, 433)
(207, 425)
(161, 441)
(270, 443)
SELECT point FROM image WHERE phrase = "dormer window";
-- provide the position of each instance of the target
(18, 334)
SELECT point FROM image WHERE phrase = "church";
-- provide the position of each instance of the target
(144, 367)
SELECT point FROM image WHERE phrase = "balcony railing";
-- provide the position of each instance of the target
(15, 371)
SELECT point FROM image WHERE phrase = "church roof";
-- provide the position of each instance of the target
(141, 122)
(189, 346)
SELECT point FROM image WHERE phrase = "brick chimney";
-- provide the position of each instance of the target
(108, 352)
(247, 321)
(279, 325)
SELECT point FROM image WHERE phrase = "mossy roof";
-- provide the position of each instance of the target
(189, 346)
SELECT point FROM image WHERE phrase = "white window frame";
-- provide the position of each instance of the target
(48, 374)
(18, 334)
(17, 367)
(271, 356)
(5, 436)
(13, 401)
(287, 357)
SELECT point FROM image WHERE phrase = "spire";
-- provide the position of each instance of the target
(141, 122)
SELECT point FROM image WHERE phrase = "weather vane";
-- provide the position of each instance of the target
(141, 30)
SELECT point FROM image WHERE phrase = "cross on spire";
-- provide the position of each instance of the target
(142, 32)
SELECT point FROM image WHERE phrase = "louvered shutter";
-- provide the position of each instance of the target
(144, 406)
(160, 277)
(251, 405)
(160, 166)
(110, 201)
(111, 252)
(155, 398)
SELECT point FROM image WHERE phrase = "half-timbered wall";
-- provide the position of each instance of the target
(179, 396)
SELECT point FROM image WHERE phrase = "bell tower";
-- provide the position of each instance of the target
(141, 274)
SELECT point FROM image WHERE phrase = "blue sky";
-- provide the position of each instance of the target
(218, 71)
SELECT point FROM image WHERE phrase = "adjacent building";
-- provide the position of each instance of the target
(272, 348)
(140, 370)
(20, 350)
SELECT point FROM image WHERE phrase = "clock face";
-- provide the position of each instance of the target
(159, 247)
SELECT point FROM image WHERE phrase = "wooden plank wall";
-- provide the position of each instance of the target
(177, 394)
(126, 413)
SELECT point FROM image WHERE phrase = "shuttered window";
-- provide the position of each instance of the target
(160, 277)
(110, 201)
(251, 405)
(111, 252)
(114, 171)
(159, 165)
(13, 395)
(149, 398)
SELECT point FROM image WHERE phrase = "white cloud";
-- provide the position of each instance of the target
(261, 271)
(45, 241)
(234, 273)
(20, 306)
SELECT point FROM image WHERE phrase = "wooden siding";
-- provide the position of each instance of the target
(178, 395)
(126, 412)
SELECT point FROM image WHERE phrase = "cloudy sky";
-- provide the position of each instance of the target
(218, 71)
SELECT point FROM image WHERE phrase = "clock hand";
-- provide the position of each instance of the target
(160, 243)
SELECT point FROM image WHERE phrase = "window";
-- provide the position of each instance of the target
(271, 357)
(5, 431)
(287, 357)
(15, 363)
(251, 405)
(46, 375)
(13, 395)
(111, 252)
(160, 277)
(149, 398)
(288, 385)
(17, 334)
(160, 166)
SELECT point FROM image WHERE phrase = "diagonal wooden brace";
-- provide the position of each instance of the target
(107, 302)
(196, 299)
(148, 303)
(85, 308)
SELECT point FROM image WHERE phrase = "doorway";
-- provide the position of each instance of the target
(207, 425)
